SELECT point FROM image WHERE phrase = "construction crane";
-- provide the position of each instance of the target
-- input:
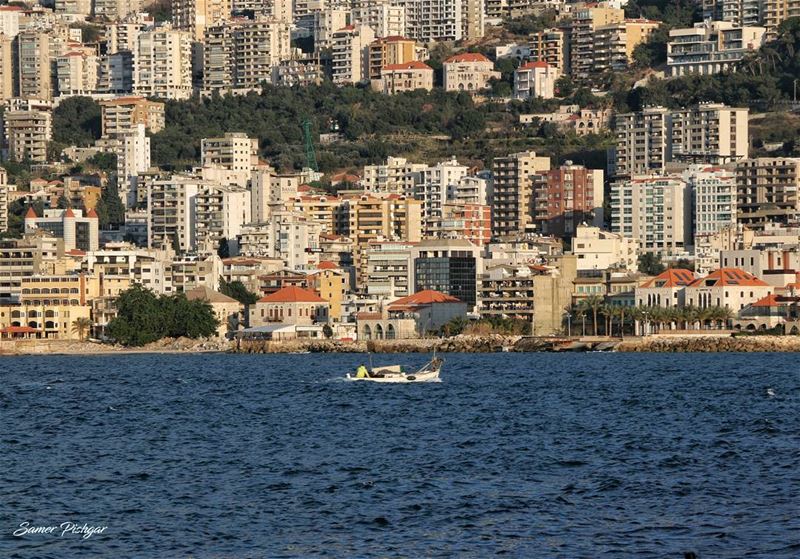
(311, 155)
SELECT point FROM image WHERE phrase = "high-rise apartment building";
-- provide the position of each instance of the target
(707, 133)
(6, 67)
(115, 9)
(711, 47)
(172, 211)
(27, 134)
(548, 46)
(585, 23)
(195, 15)
(767, 191)
(738, 12)
(123, 114)
(76, 73)
(350, 54)
(714, 192)
(233, 152)
(775, 12)
(614, 43)
(33, 65)
(241, 55)
(565, 197)
(512, 202)
(657, 210)
(535, 79)
(385, 18)
(163, 64)
(221, 211)
(390, 50)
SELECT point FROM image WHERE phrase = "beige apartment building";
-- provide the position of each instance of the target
(366, 219)
(767, 191)
(548, 46)
(468, 72)
(585, 22)
(6, 67)
(711, 47)
(4, 189)
(220, 211)
(27, 134)
(124, 114)
(775, 12)
(241, 54)
(164, 64)
(512, 207)
(195, 15)
(350, 54)
(235, 151)
(614, 43)
(171, 215)
(35, 51)
(76, 73)
(408, 76)
(707, 133)
(388, 51)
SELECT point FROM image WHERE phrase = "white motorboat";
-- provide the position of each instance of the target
(394, 373)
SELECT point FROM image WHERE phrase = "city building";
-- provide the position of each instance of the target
(235, 152)
(4, 191)
(290, 305)
(450, 266)
(548, 46)
(27, 134)
(350, 54)
(163, 65)
(387, 269)
(775, 12)
(573, 118)
(565, 197)
(656, 210)
(585, 22)
(726, 287)
(597, 249)
(35, 50)
(512, 201)
(535, 79)
(767, 191)
(706, 133)
(241, 55)
(195, 15)
(714, 200)
(390, 50)
(382, 16)
(614, 43)
(7, 81)
(668, 289)
(409, 76)
(123, 114)
(711, 47)
(397, 175)
(171, 211)
(78, 231)
(226, 309)
(429, 308)
(468, 72)
(221, 212)
(76, 73)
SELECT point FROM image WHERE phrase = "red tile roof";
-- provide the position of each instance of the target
(422, 298)
(674, 277)
(92, 214)
(18, 330)
(327, 265)
(31, 213)
(69, 213)
(468, 57)
(292, 294)
(729, 277)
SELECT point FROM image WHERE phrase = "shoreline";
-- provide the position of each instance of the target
(698, 343)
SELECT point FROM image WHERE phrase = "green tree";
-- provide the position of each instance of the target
(104, 161)
(237, 290)
(650, 264)
(142, 317)
(110, 209)
(223, 248)
(77, 121)
(592, 304)
(82, 326)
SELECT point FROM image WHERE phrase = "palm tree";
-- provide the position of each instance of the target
(723, 316)
(592, 304)
(81, 326)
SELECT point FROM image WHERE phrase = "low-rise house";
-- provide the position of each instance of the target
(408, 76)
(769, 312)
(535, 79)
(469, 72)
(430, 309)
(727, 287)
(290, 305)
(666, 289)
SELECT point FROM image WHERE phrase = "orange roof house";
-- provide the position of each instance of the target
(725, 277)
(674, 277)
(292, 294)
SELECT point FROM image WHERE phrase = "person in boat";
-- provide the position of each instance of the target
(362, 372)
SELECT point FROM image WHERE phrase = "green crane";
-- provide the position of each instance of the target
(311, 155)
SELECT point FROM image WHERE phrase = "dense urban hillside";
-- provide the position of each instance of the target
(430, 126)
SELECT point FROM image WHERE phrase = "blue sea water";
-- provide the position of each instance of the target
(520, 455)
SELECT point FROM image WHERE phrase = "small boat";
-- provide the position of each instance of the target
(394, 373)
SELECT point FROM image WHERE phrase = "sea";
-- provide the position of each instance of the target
(582, 455)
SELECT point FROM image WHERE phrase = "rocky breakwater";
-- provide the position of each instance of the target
(710, 344)
(454, 344)
(298, 346)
